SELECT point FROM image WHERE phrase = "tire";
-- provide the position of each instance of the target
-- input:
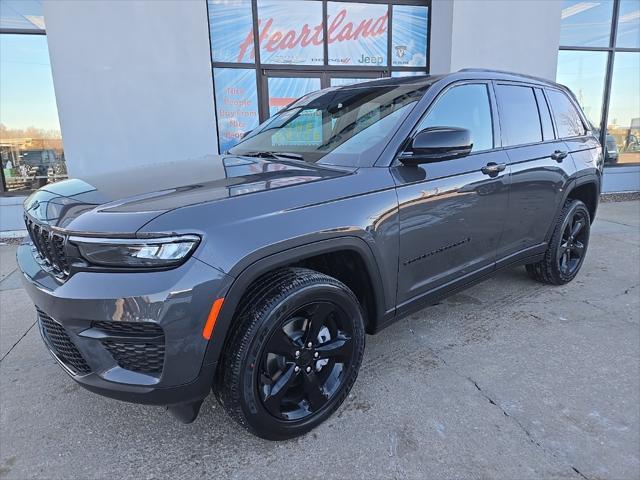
(270, 380)
(567, 248)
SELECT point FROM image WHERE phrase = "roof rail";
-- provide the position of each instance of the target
(505, 72)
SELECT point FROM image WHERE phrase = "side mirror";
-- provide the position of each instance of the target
(436, 144)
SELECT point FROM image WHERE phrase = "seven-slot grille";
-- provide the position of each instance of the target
(50, 247)
(62, 345)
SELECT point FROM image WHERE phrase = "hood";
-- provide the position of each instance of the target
(120, 203)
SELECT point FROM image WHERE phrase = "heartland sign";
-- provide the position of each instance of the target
(338, 30)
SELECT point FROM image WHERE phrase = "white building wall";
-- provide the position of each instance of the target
(519, 35)
(440, 36)
(133, 82)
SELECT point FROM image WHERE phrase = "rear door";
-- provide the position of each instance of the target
(451, 212)
(574, 131)
(540, 168)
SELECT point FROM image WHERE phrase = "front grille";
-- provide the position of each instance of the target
(49, 246)
(143, 357)
(142, 328)
(62, 345)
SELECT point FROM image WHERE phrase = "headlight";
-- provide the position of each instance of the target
(155, 252)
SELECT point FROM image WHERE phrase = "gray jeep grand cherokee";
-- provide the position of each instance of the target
(257, 273)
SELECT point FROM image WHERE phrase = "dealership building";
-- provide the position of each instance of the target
(116, 87)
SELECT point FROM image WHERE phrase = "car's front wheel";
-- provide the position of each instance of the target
(294, 353)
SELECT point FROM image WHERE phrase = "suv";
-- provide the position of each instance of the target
(257, 273)
(611, 150)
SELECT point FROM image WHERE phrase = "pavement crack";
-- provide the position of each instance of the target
(529, 435)
(8, 275)
(579, 472)
(18, 341)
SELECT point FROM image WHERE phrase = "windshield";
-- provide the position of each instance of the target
(346, 126)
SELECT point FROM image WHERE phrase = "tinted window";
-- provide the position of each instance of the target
(464, 106)
(545, 115)
(519, 119)
(568, 120)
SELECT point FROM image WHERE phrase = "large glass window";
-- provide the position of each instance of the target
(520, 121)
(465, 106)
(294, 46)
(30, 142)
(599, 62)
(624, 109)
(584, 72)
(403, 73)
(25, 15)
(236, 104)
(340, 81)
(409, 35)
(284, 91)
(628, 34)
(357, 33)
(231, 30)
(290, 32)
(586, 24)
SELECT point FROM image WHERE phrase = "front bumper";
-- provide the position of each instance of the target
(132, 336)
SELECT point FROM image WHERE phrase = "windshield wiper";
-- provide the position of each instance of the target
(275, 155)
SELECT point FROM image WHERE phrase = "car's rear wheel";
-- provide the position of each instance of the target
(294, 353)
(567, 248)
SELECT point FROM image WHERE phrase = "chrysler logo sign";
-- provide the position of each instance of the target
(401, 50)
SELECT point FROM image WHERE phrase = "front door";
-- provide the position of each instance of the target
(452, 212)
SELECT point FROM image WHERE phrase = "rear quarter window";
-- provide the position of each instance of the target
(568, 121)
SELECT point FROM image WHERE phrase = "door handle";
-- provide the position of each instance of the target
(559, 155)
(492, 169)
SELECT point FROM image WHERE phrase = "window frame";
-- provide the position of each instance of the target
(495, 125)
(543, 95)
(611, 49)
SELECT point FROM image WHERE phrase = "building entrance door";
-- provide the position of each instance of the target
(282, 87)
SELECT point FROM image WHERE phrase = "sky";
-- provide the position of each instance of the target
(27, 98)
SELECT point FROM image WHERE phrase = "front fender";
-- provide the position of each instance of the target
(246, 275)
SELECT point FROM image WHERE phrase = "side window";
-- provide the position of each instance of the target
(465, 106)
(568, 121)
(545, 115)
(519, 118)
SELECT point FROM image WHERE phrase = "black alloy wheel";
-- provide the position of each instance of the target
(304, 361)
(293, 355)
(567, 247)
(572, 247)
